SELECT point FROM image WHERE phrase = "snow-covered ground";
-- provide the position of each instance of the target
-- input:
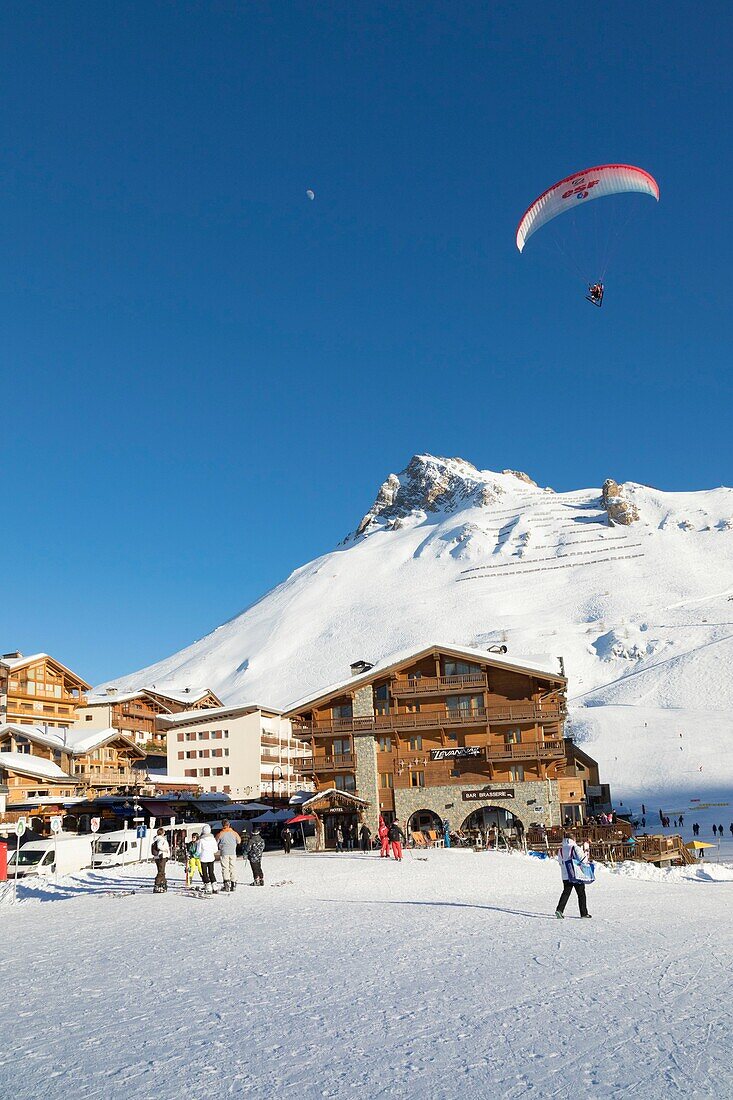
(445, 976)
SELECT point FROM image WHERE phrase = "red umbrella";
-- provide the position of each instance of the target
(298, 820)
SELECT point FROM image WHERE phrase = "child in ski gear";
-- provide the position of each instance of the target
(365, 836)
(287, 839)
(254, 850)
(384, 839)
(397, 839)
(193, 863)
(228, 839)
(206, 851)
(161, 852)
(568, 853)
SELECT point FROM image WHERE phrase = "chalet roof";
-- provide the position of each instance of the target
(14, 663)
(396, 660)
(22, 763)
(78, 742)
(332, 792)
(104, 698)
(185, 717)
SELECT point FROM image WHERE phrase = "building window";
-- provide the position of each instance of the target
(345, 783)
(341, 747)
(459, 668)
(412, 708)
(514, 737)
(415, 744)
(345, 710)
(385, 744)
(88, 717)
(190, 772)
(417, 779)
(386, 779)
(180, 756)
(516, 773)
(205, 772)
(204, 735)
(465, 704)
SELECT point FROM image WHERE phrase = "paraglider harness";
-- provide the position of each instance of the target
(595, 294)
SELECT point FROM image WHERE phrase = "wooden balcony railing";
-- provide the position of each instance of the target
(104, 778)
(435, 719)
(310, 764)
(527, 750)
(439, 685)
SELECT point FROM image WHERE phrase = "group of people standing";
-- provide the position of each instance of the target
(202, 852)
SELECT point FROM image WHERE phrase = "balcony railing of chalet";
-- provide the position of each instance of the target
(438, 685)
(310, 764)
(104, 778)
(49, 696)
(504, 712)
(269, 739)
(543, 750)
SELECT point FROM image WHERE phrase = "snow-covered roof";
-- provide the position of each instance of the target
(76, 741)
(394, 660)
(212, 714)
(103, 697)
(333, 790)
(34, 766)
(13, 663)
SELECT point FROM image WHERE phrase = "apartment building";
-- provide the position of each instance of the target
(446, 732)
(242, 751)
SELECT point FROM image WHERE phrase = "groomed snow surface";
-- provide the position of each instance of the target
(444, 976)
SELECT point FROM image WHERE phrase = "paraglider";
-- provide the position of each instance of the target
(582, 187)
(311, 194)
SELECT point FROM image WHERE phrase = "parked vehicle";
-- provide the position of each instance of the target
(59, 855)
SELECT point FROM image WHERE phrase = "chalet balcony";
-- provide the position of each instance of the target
(527, 750)
(437, 719)
(104, 778)
(438, 685)
(309, 764)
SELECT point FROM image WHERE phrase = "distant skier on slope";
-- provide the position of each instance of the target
(575, 868)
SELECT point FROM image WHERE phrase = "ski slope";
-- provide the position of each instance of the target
(642, 614)
(439, 977)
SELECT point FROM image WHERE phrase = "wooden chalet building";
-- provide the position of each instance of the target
(446, 732)
(38, 766)
(39, 690)
(135, 713)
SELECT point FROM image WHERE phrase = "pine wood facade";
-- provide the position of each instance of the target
(136, 712)
(39, 690)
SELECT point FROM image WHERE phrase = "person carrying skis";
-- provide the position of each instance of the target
(228, 839)
(254, 850)
(207, 851)
(161, 853)
(383, 838)
(193, 863)
(365, 838)
(287, 839)
(570, 856)
(396, 839)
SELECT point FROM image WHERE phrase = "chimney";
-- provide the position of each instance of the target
(359, 667)
(111, 691)
(13, 656)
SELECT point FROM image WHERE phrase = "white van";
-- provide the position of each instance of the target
(54, 856)
(120, 847)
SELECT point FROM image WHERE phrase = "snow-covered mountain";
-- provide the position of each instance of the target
(631, 586)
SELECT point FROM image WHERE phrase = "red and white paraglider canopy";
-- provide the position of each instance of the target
(592, 183)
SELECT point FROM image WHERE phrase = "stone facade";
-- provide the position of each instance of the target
(363, 705)
(446, 802)
(367, 779)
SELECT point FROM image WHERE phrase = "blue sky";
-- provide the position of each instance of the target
(206, 377)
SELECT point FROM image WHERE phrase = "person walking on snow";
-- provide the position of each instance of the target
(695, 829)
(228, 839)
(193, 863)
(383, 839)
(396, 839)
(287, 839)
(568, 854)
(206, 851)
(339, 839)
(254, 850)
(365, 837)
(161, 852)
(350, 836)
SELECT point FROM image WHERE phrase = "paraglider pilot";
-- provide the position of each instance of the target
(595, 294)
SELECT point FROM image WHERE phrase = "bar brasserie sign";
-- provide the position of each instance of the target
(455, 754)
(486, 794)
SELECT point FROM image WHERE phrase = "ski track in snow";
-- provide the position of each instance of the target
(440, 978)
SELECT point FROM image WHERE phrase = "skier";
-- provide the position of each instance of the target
(254, 850)
(569, 857)
(383, 839)
(287, 839)
(396, 839)
(731, 828)
(682, 820)
(643, 809)
(206, 852)
(193, 863)
(228, 839)
(696, 829)
(161, 852)
(715, 830)
(365, 837)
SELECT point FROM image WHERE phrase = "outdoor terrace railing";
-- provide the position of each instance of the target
(505, 712)
(324, 763)
(438, 685)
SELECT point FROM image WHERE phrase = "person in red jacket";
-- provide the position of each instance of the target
(396, 839)
(383, 839)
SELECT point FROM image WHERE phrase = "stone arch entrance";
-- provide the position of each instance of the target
(497, 826)
(424, 821)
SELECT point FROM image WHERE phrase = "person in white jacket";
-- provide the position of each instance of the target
(568, 856)
(206, 852)
(161, 852)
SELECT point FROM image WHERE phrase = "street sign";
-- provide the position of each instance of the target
(56, 824)
(141, 832)
(20, 826)
(94, 824)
